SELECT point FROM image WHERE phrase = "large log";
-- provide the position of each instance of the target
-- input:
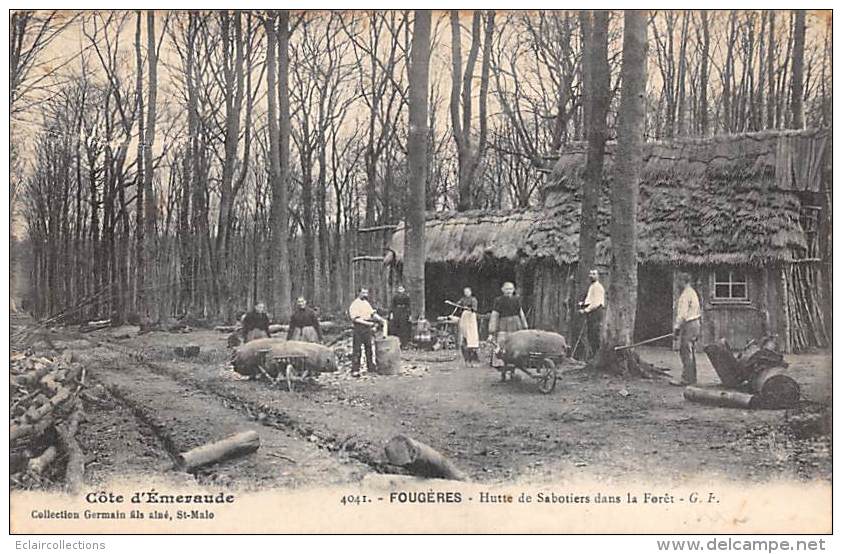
(421, 459)
(233, 446)
(720, 397)
(516, 346)
(248, 357)
(775, 389)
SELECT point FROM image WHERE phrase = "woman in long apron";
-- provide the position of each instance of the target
(468, 329)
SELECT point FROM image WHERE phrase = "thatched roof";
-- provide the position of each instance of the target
(472, 237)
(722, 200)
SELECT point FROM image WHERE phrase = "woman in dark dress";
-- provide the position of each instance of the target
(507, 314)
(400, 325)
(304, 323)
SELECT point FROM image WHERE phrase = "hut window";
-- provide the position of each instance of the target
(730, 284)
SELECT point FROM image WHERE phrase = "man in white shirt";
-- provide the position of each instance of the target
(688, 327)
(593, 308)
(363, 317)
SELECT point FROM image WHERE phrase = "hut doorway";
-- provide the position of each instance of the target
(445, 281)
(654, 302)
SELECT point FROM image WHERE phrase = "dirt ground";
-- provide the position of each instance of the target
(145, 405)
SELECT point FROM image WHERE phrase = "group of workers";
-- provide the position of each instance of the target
(687, 327)
(507, 316)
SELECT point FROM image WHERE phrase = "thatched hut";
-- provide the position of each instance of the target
(477, 248)
(747, 215)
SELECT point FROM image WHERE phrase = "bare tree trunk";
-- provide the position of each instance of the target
(140, 182)
(148, 140)
(797, 101)
(279, 130)
(760, 103)
(469, 152)
(682, 76)
(703, 79)
(771, 101)
(419, 76)
(622, 293)
(728, 75)
(597, 98)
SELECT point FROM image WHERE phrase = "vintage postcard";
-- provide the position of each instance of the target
(413, 271)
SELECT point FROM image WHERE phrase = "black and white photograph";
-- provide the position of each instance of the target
(420, 271)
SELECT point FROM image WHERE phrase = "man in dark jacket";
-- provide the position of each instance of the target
(256, 323)
(400, 326)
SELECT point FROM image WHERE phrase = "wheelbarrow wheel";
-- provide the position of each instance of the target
(289, 373)
(547, 376)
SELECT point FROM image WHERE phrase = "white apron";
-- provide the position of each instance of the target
(468, 328)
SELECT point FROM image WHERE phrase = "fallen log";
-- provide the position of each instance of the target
(421, 459)
(75, 471)
(721, 397)
(233, 446)
(95, 325)
(41, 463)
(34, 414)
(226, 328)
(32, 377)
(775, 389)
(19, 431)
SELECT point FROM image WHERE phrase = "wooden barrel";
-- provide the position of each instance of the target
(387, 351)
(775, 389)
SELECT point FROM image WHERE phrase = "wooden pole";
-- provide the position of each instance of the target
(235, 445)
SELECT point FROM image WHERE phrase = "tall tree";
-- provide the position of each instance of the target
(148, 141)
(140, 180)
(279, 131)
(622, 292)
(771, 101)
(469, 150)
(704, 63)
(597, 94)
(797, 101)
(419, 81)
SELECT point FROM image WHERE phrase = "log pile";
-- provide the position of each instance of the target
(45, 412)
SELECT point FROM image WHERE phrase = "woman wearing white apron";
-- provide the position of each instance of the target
(468, 326)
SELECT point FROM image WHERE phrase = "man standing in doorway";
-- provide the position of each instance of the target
(687, 328)
(593, 308)
(363, 317)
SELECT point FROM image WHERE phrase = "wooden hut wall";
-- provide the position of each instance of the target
(737, 321)
(553, 296)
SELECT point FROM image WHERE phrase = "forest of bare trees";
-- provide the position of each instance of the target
(168, 164)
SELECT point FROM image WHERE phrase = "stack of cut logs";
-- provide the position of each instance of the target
(45, 412)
